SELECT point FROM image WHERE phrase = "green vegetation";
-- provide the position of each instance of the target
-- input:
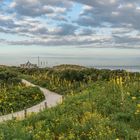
(15, 96)
(67, 79)
(8, 77)
(97, 113)
(18, 97)
(105, 106)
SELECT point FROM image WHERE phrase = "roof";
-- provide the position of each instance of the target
(29, 63)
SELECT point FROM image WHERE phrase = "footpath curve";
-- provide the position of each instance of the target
(51, 100)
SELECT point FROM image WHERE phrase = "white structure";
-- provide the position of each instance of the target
(28, 65)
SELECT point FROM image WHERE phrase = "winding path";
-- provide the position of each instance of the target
(51, 100)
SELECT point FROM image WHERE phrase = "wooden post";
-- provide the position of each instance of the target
(61, 100)
(89, 96)
(25, 113)
(63, 97)
(12, 114)
(45, 104)
(40, 108)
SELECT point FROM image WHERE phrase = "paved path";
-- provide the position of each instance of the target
(51, 100)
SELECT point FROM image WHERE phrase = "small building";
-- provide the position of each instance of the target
(28, 65)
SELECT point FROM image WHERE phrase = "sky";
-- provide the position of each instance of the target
(88, 32)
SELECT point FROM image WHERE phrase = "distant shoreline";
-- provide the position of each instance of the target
(135, 68)
(127, 68)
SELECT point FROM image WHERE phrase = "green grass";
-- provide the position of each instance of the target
(18, 97)
(15, 96)
(102, 105)
(95, 114)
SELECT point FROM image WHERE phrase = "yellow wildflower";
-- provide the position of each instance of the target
(138, 105)
(118, 81)
(121, 81)
(128, 93)
(134, 98)
(136, 113)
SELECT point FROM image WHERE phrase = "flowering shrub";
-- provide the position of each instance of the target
(18, 97)
(105, 110)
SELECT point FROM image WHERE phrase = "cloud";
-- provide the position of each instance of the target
(65, 29)
(86, 32)
(7, 21)
(63, 41)
(127, 40)
(114, 12)
(75, 22)
(2, 40)
(58, 42)
(59, 18)
(35, 8)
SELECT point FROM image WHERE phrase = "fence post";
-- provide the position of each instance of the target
(61, 101)
(45, 104)
(12, 114)
(25, 113)
(40, 108)
(63, 98)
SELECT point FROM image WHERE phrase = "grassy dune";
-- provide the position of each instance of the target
(107, 108)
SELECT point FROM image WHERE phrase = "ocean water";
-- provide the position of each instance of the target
(112, 58)
(128, 68)
(100, 63)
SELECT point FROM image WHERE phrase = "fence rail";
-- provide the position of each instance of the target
(51, 99)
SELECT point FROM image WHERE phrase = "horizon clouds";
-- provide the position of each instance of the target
(90, 23)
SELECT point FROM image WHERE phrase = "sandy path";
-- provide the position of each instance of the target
(51, 100)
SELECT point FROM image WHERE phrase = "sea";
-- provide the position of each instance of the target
(102, 58)
(127, 68)
(53, 61)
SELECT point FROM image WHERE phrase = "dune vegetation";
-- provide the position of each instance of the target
(97, 105)
(14, 95)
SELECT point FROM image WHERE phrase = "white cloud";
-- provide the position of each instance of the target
(35, 8)
(50, 22)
